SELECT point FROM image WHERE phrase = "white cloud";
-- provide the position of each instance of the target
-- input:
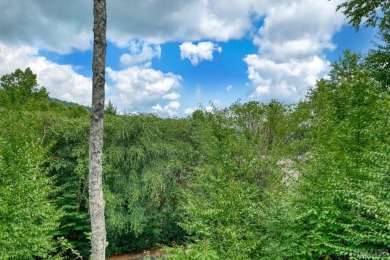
(189, 110)
(137, 89)
(286, 81)
(141, 54)
(134, 89)
(291, 44)
(61, 81)
(229, 88)
(209, 108)
(298, 29)
(198, 52)
(171, 96)
(170, 109)
(177, 20)
(59, 25)
(62, 25)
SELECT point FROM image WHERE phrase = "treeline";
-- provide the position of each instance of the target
(251, 181)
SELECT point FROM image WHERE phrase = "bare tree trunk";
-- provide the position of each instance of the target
(96, 202)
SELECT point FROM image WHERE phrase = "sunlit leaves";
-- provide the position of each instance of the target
(372, 13)
(20, 86)
(28, 218)
(344, 187)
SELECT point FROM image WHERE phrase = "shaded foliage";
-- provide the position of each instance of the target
(146, 160)
(69, 160)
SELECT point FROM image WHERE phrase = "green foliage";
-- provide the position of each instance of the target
(198, 251)
(68, 103)
(375, 13)
(352, 214)
(69, 161)
(378, 59)
(145, 159)
(20, 86)
(372, 12)
(239, 149)
(28, 217)
(110, 109)
(340, 206)
(252, 181)
(51, 124)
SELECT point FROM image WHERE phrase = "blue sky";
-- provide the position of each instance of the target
(168, 58)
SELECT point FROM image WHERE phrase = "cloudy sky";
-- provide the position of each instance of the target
(169, 56)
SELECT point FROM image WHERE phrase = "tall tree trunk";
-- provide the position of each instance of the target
(96, 202)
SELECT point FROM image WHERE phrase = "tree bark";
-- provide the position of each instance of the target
(96, 201)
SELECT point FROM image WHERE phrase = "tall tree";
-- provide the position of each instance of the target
(96, 202)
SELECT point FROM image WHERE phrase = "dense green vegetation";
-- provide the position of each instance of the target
(28, 217)
(251, 181)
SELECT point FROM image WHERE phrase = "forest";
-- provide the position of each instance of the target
(309, 180)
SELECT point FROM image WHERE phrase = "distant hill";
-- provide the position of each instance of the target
(69, 104)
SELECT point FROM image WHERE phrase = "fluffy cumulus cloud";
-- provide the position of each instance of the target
(133, 89)
(139, 88)
(198, 52)
(189, 110)
(298, 29)
(61, 81)
(170, 109)
(286, 81)
(136, 89)
(177, 20)
(141, 54)
(291, 44)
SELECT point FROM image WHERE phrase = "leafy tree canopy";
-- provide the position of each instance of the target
(20, 86)
(375, 11)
